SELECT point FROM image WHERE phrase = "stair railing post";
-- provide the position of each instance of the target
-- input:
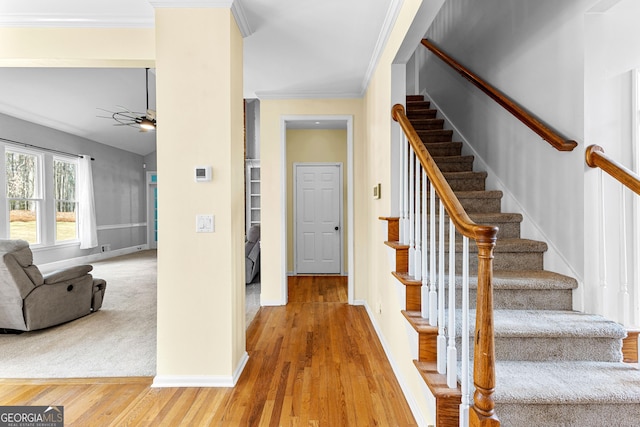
(484, 377)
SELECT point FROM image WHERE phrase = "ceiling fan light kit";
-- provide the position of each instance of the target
(143, 121)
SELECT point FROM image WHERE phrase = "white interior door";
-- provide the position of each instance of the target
(317, 218)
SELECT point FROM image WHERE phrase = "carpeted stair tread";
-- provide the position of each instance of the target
(556, 324)
(523, 279)
(508, 246)
(527, 279)
(548, 323)
(566, 383)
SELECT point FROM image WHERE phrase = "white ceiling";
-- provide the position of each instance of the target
(292, 49)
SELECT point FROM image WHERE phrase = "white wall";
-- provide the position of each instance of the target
(533, 52)
(569, 64)
(611, 53)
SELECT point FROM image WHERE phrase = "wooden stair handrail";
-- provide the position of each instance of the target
(482, 412)
(552, 137)
(596, 158)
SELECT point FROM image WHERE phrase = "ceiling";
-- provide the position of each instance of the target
(292, 49)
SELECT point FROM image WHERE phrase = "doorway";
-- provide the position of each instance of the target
(317, 212)
(315, 151)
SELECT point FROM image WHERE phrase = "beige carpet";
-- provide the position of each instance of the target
(118, 340)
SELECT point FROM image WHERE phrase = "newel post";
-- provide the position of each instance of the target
(482, 413)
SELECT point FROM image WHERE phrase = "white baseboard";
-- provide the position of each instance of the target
(161, 381)
(413, 404)
(91, 258)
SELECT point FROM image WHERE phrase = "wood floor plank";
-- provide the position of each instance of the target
(316, 362)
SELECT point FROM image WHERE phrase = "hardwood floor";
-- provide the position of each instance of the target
(315, 362)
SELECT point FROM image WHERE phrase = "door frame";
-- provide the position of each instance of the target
(151, 241)
(348, 119)
(340, 210)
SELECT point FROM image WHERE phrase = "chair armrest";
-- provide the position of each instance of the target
(67, 274)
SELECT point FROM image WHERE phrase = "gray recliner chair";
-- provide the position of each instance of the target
(252, 253)
(30, 301)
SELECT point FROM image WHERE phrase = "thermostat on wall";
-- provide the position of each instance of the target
(203, 173)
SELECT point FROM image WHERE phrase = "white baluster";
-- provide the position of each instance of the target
(412, 193)
(451, 348)
(404, 237)
(424, 289)
(433, 293)
(401, 192)
(464, 380)
(417, 269)
(624, 286)
(442, 339)
(603, 249)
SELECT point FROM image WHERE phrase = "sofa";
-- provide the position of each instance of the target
(30, 300)
(252, 253)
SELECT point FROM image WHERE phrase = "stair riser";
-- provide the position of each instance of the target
(569, 415)
(537, 349)
(519, 299)
(455, 164)
(473, 183)
(428, 136)
(418, 105)
(421, 114)
(476, 205)
(508, 261)
(444, 149)
(427, 124)
(507, 230)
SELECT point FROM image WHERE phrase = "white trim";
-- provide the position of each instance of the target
(179, 4)
(88, 258)
(65, 20)
(161, 381)
(277, 95)
(413, 404)
(118, 226)
(350, 196)
(151, 242)
(294, 176)
(387, 26)
(241, 19)
(635, 149)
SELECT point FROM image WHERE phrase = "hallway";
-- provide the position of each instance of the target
(315, 362)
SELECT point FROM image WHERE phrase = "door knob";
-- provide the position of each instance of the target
(336, 228)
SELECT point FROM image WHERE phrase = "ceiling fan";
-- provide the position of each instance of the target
(125, 117)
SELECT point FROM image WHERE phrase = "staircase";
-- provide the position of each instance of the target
(554, 366)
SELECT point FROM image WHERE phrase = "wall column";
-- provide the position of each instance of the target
(201, 326)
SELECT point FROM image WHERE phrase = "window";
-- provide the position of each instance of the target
(24, 194)
(66, 204)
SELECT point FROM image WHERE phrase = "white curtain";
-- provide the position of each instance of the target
(87, 229)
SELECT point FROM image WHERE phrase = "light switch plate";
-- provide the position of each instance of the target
(205, 224)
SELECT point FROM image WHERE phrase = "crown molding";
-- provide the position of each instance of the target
(280, 95)
(192, 3)
(387, 26)
(50, 20)
(241, 19)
